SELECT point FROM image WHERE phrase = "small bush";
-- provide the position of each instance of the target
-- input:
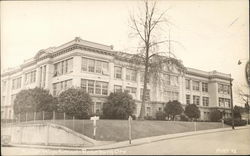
(237, 122)
(183, 117)
(149, 118)
(215, 116)
(160, 115)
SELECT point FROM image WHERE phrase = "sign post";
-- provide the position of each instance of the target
(129, 129)
(94, 118)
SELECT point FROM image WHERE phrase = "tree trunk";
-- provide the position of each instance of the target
(142, 111)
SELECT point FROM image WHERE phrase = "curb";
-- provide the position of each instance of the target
(125, 144)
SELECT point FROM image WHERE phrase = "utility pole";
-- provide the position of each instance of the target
(232, 107)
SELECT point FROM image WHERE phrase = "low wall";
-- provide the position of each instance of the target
(45, 134)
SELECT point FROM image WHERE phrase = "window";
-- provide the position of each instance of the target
(3, 101)
(42, 76)
(12, 99)
(204, 87)
(196, 85)
(104, 88)
(132, 91)
(142, 77)
(227, 103)
(196, 100)
(91, 86)
(167, 79)
(98, 87)
(205, 101)
(30, 77)
(147, 98)
(16, 83)
(130, 75)
(174, 80)
(94, 87)
(4, 85)
(98, 66)
(220, 88)
(94, 66)
(226, 89)
(63, 67)
(187, 84)
(175, 96)
(187, 99)
(223, 102)
(60, 86)
(98, 107)
(117, 88)
(148, 111)
(118, 72)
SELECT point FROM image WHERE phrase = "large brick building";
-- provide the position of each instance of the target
(101, 70)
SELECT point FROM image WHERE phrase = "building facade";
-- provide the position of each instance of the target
(100, 70)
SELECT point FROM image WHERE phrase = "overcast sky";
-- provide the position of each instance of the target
(214, 35)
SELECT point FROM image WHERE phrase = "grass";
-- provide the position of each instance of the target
(117, 130)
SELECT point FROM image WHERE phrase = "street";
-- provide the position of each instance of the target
(227, 142)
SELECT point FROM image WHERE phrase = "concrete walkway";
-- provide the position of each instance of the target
(135, 142)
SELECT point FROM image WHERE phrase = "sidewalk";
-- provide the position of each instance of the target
(135, 142)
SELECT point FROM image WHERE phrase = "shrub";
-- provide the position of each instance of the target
(160, 115)
(237, 112)
(149, 118)
(215, 116)
(75, 102)
(192, 111)
(173, 108)
(120, 105)
(34, 100)
(183, 117)
(237, 122)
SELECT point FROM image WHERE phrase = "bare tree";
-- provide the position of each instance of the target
(145, 27)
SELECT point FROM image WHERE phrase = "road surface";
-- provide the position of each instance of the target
(227, 142)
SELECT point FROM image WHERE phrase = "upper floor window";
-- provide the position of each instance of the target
(204, 87)
(227, 103)
(94, 66)
(16, 83)
(94, 87)
(223, 102)
(60, 86)
(196, 85)
(131, 74)
(223, 89)
(187, 82)
(42, 79)
(3, 101)
(118, 72)
(174, 80)
(117, 88)
(142, 77)
(188, 99)
(30, 77)
(63, 67)
(166, 78)
(205, 101)
(147, 98)
(4, 85)
(196, 100)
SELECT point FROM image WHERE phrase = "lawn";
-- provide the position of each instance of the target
(117, 130)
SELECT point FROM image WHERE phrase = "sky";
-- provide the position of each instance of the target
(212, 35)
